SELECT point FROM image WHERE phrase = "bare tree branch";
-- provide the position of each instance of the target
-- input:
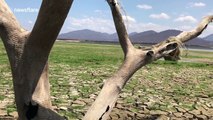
(45, 31)
(185, 36)
(8, 23)
(50, 19)
(11, 33)
(134, 59)
(107, 98)
(120, 27)
(167, 46)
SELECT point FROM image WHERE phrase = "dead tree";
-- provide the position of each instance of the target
(173, 56)
(28, 54)
(134, 59)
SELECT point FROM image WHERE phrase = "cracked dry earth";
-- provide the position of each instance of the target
(160, 91)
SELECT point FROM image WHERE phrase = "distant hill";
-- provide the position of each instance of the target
(88, 35)
(209, 38)
(154, 37)
(133, 33)
(142, 37)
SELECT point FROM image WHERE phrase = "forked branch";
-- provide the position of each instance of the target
(134, 60)
(51, 17)
(28, 54)
(120, 26)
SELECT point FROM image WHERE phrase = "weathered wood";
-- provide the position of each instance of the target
(28, 55)
(134, 59)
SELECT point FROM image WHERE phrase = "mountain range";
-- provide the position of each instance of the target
(142, 37)
(209, 38)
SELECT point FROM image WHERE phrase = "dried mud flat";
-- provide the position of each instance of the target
(161, 91)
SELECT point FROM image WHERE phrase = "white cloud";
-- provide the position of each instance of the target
(30, 22)
(92, 23)
(210, 13)
(98, 11)
(188, 18)
(144, 6)
(197, 4)
(139, 27)
(103, 24)
(185, 28)
(160, 16)
(107, 25)
(128, 19)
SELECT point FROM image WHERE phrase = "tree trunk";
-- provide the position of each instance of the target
(28, 55)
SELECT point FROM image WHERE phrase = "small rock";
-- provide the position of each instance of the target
(52, 97)
(114, 116)
(188, 115)
(92, 96)
(74, 92)
(180, 109)
(122, 116)
(201, 100)
(195, 112)
(88, 101)
(14, 114)
(119, 106)
(158, 112)
(211, 118)
(144, 111)
(63, 108)
(208, 112)
(82, 103)
(202, 96)
(54, 107)
(204, 107)
(175, 118)
(163, 117)
(130, 114)
(178, 114)
(148, 104)
(3, 104)
(3, 112)
(120, 101)
(210, 105)
(201, 117)
(124, 95)
(139, 116)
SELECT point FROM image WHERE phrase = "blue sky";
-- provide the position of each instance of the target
(139, 15)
